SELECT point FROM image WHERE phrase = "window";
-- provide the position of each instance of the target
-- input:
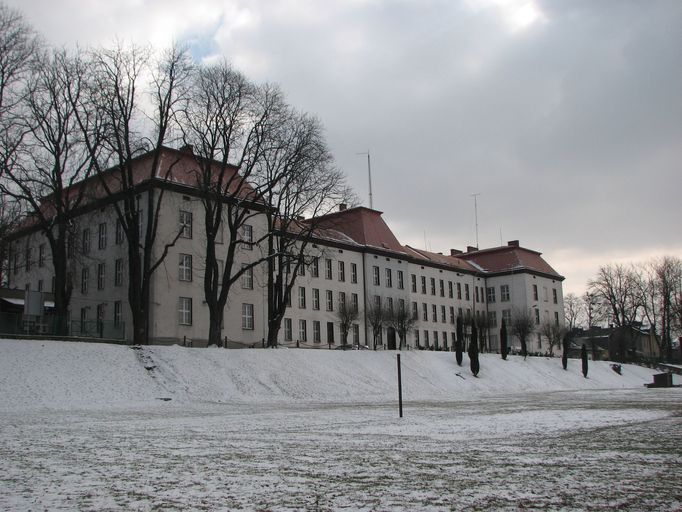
(426, 338)
(377, 301)
(375, 276)
(119, 232)
(414, 283)
(184, 267)
(482, 294)
(316, 331)
(118, 272)
(342, 299)
(316, 299)
(401, 281)
(302, 330)
(287, 298)
(41, 259)
(342, 271)
(390, 304)
(247, 236)
(423, 285)
(425, 312)
(389, 278)
(491, 294)
(504, 293)
(450, 295)
(29, 257)
(556, 318)
(435, 339)
(354, 301)
(442, 314)
(442, 288)
(434, 312)
(356, 334)
(554, 295)
(102, 238)
(247, 277)
(328, 269)
(84, 317)
(301, 269)
(85, 247)
(100, 276)
(185, 311)
(353, 273)
(535, 292)
(466, 291)
(40, 285)
(401, 305)
(433, 286)
(545, 296)
(452, 314)
(301, 297)
(330, 332)
(476, 290)
(315, 268)
(415, 311)
(537, 316)
(492, 318)
(85, 276)
(288, 336)
(185, 224)
(459, 312)
(117, 313)
(459, 291)
(416, 338)
(506, 316)
(330, 300)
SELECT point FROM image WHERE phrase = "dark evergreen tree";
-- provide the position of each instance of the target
(503, 340)
(473, 351)
(564, 355)
(583, 356)
(460, 341)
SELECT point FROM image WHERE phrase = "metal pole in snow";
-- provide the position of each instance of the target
(400, 389)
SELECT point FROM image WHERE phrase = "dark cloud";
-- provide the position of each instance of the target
(570, 126)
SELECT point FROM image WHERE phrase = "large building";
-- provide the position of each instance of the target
(354, 258)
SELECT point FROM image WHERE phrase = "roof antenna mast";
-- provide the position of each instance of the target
(369, 175)
(475, 196)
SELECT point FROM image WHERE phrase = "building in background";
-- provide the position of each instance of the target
(354, 259)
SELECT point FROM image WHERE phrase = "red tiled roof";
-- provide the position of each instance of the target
(364, 226)
(442, 259)
(509, 258)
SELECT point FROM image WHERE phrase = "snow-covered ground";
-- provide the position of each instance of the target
(83, 427)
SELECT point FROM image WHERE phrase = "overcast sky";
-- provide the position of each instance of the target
(565, 116)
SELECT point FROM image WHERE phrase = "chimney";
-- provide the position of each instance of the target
(513, 243)
(342, 207)
(187, 148)
(471, 249)
(455, 252)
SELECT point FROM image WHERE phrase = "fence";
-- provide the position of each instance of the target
(50, 325)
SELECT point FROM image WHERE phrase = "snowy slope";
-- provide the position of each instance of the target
(59, 375)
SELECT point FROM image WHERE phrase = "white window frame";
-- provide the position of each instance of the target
(185, 310)
(247, 317)
(185, 267)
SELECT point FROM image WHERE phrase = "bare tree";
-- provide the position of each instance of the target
(615, 287)
(667, 273)
(522, 326)
(19, 46)
(133, 143)
(402, 320)
(572, 309)
(10, 213)
(299, 181)
(376, 317)
(347, 315)
(50, 160)
(554, 333)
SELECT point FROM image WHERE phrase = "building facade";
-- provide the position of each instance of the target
(354, 259)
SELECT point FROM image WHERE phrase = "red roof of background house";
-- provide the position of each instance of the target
(508, 258)
(363, 225)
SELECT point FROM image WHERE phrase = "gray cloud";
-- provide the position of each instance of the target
(570, 128)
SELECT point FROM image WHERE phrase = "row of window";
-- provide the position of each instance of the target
(317, 331)
(185, 313)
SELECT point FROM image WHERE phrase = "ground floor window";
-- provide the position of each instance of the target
(185, 311)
